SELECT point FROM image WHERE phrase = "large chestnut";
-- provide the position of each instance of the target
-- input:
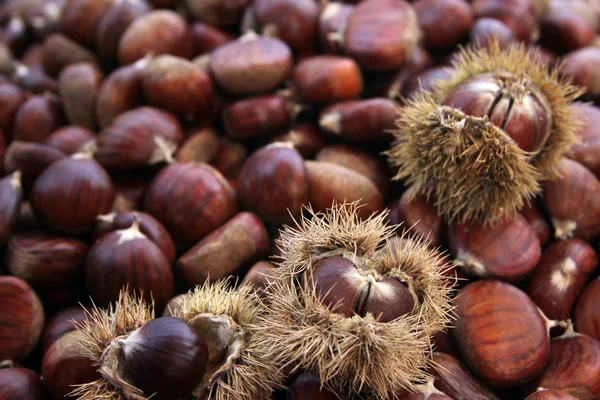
(71, 193)
(20, 384)
(587, 311)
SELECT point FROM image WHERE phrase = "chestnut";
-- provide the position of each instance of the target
(571, 201)
(70, 139)
(21, 319)
(332, 23)
(34, 81)
(38, 117)
(11, 198)
(486, 31)
(363, 121)
(190, 200)
(508, 250)
(260, 275)
(240, 242)
(586, 315)
(550, 394)
(71, 193)
(304, 137)
(230, 158)
(200, 146)
(568, 26)
(11, 98)
(45, 259)
(138, 138)
(501, 333)
(59, 52)
(273, 183)
(66, 365)
(251, 64)
(126, 258)
(80, 19)
(64, 321)
(130, 194)
(581, 67)
(585, 152)
(386, 44)
(218, 13)
(306, 386)
(519, 15)
(157, 32)
(148, 225)
(206, 38)
(537, 221)
(78, 87)
(326, 79)
(443, 22)
(31, 159)
(20, 383)
(424, 81)
(174, 306)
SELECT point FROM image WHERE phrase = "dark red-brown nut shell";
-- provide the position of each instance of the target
(20, 384)
(565, 28)
(260, 275)
(257, 116)
(327, 79)
(59, 52)
(38, 117)
(70, 139)
(71, 193)
(587, 310)
(230, 158)
(218, 13)
(560, 276)
(45, 259)
(519, 15)
(237, 244)
(424, 81)
(273, 183)
(207, 38)
(304, 137)
(586, 152)
(443, 22)
(489, 30)
(11, 98)
(190, 200)
(62, 322)
(531, 212)
(21, 319)
(80, 18)
(65, 365)
(582, 66)
(332, 23)
(78, 87)
(572, 201)
(307, 386)
(502, 335)
(508, 250)
(31, 159)
(384, 45)
(550, 394)
(128, 258)
(11, 197)
(158, 32)
(149, 226)
(200, 146)
(251, 65)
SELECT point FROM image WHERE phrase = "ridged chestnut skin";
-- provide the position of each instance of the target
(586, 152)
(45, 259)
(251, 65)
(11, 197)
(128, 258)
(572, 201)
(306, 386)
(69, 139)
(257, 116)
(327, 79)
(149, 226)
(273, 183)
(508, 250)
(389, 42)
(550, 394)
(66, 365)
(453, 378)
(21, 319)
(61, 323)
(165, 341)
(443, 22)
(20, 384)
(240, 242)
(38, 117)
(190, 200)
(531, 212)
(80, 19)
(574, 362)
(560, 276)
(587, 310)
(501, 333)
(157, 32)
(71, 193)
(31, 159)
(78, 88)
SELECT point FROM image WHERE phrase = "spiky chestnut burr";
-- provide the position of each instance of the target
(487, 135)
(359, 332)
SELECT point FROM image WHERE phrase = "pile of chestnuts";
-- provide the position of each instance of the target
(299, 199)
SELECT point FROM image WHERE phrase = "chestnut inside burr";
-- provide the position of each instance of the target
(510, 102)
(348, 290)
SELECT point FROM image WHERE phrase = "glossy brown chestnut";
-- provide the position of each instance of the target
(585, 152)
(218, 13)
(332, 24)
(62, 322)
(173, 306)
(257, 116)
(501, 333)
(508, 250)
(11, 197)
(80, 19)
(560, 276)
(126, 258)
(571, 201)
(157, 32)
(519, 15)
(424, 81)
(251, 64)
(453, 378)
(573, 365)
(581, 66)
(240, 242)
(347, 290)
(329, 182)
(11, 98)
(59, 52)
(586, 314)
(149, 226)
(386, 44)
(364, 121)
(550, 394)
(78, 85)
(70, 139)
(37, 118)
(177, 85)
(293, 21)
(71, 193)
(138, 138)
(45, 259)
(200, 146)
(21, 319)
(260, 275)
(568, 26)
(389, 84)
(273, 183)
(307, 386)
(31, 159)
(230, 158)
(190, 200)
(304, 137)
(207, 38)
(489, 30)
(65, 365)
(537, 221)
(443, 22)
(327, 79)
(20, 384)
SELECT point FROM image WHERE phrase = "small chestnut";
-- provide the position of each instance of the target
(38, 117)
(586, 151)
(20, 383)
(201, 145)
(80, 19)
(306, 386)
(70, 139)
(443, 22)
(305, 138)
(11, 198)
(587, 311)
(62, 322)
(489, 30)
(78, 88)
(11, 98)
(59, 52)
(260, 275)
(230, 158)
